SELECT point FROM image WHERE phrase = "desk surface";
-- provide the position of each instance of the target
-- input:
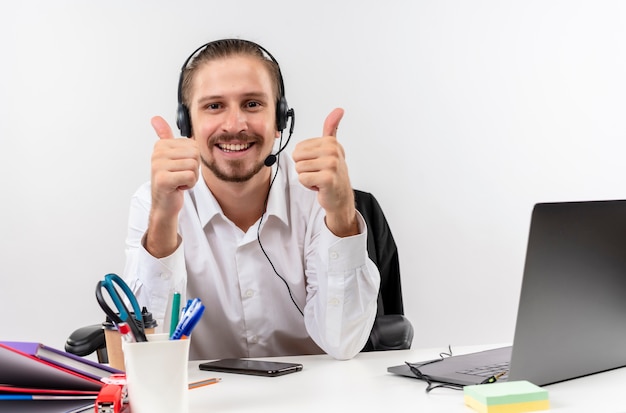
(363, 385)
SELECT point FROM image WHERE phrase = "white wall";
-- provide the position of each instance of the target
(460, 115)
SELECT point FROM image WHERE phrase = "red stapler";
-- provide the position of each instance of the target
(113, 397)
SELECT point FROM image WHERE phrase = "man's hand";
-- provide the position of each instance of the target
(321, 166)
(175, 164)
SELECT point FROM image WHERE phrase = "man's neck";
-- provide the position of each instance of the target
(242, 202)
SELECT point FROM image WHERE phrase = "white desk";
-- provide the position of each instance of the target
(363, 385)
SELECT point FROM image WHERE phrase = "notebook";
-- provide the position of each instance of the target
(571, 318)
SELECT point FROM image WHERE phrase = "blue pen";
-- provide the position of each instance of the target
(191, 317)
(189, 320)
(188, 305)
(193, 320)
(187, 311)
(184, 329)
(191, 304)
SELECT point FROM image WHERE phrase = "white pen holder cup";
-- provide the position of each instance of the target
(157, 374)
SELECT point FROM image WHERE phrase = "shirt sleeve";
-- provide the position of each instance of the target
(151, 279)
(342, 292)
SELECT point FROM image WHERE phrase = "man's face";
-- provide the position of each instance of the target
(233, 113)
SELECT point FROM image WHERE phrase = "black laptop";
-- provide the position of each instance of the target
(571, 319)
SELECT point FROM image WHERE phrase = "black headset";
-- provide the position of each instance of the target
(283, 112)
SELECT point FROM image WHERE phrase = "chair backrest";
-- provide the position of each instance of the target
(391, 330)
(382, 250)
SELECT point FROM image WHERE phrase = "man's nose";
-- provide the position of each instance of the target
(235, 121)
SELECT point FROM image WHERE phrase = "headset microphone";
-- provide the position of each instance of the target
(272, 158)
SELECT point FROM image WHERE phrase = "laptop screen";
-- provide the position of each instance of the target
(572, 312)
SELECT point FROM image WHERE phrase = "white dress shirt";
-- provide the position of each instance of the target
(249, 312)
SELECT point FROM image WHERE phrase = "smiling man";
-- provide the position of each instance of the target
(271, 244)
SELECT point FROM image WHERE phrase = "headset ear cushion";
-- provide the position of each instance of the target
(182, 120)
(282, 114)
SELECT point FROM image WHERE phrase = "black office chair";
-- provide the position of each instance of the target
(391, 330)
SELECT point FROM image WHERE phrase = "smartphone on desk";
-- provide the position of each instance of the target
(252, 367)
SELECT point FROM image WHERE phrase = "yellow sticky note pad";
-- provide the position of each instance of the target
(506, 397)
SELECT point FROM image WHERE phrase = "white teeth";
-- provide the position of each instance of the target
(234, 147)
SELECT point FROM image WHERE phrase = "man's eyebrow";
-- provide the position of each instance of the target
(249, 95)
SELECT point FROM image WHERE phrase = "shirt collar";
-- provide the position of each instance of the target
(205, 203)
(207, 206)
(277, 202)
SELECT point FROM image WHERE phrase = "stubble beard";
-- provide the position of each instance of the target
(237, 173)
(236, 170)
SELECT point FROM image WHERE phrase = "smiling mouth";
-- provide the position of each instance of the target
(234, 147)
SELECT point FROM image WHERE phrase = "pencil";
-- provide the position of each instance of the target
(205, 382)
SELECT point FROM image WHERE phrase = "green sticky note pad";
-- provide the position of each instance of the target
(506, 393)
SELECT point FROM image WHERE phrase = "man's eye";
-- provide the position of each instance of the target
(253, 104)
(213, 106)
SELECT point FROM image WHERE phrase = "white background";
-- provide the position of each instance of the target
(460, 116)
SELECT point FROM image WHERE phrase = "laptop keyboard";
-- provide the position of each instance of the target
(489, 370)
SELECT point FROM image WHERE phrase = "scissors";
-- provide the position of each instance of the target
(121, 318)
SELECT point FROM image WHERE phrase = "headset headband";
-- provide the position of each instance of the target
(283, 113)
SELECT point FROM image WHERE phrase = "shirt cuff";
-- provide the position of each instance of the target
(162, 275)
(347, 253)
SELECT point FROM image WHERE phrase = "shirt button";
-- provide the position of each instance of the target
(249, 293)
(253, 339)
(165, 276)
(334, 255)
(334, 302)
